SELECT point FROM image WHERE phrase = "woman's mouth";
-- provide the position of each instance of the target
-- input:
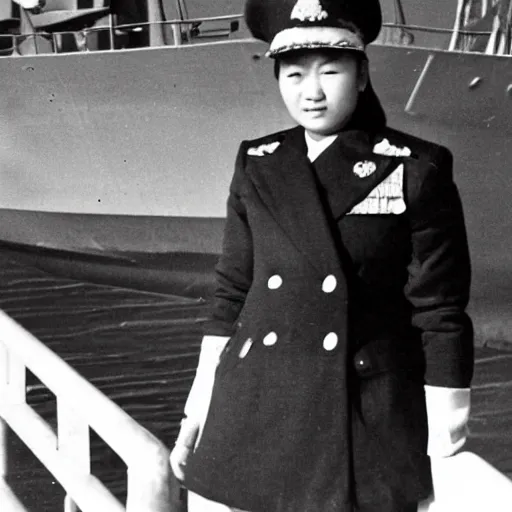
(315, 111)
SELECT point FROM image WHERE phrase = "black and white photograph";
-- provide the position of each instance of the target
(255, 255)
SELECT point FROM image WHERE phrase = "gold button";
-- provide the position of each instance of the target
(270, 339)
(275, 281)
(329, 284)
(331, 341)
(245, 348)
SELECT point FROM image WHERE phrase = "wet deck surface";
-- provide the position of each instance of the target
(141, 350)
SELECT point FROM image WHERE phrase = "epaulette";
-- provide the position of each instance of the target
(264, 149)
(385, 148)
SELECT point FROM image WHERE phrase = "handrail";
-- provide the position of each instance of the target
(455, 32)
(124, 26)
(155, 27)
(234, 17)
(79, 406)
(458, 24)
(437, 30)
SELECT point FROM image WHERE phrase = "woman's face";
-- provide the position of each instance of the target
(320, 88)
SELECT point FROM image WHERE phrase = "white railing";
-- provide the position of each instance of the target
(66, 455)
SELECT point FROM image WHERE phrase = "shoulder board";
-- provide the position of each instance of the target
(263, 149)
(384, 147)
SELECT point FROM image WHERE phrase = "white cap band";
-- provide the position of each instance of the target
(298, 38)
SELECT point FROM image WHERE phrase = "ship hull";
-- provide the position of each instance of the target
(128, 155)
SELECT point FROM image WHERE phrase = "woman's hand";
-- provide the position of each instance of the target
(197, 404)
(184, 447)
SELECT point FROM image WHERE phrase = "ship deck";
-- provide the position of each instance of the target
(141, 349)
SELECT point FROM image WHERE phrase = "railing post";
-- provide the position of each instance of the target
(149, 483)
(73, 443)
(458, 22)
(73, 435)
(16, 380)
(4, 467)
(3, 398)
(176, 34)
(12, 391)
(155, 19)
(69, 504)
(80, 406)
(111, 31)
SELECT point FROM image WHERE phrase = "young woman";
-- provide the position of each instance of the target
(341, 294)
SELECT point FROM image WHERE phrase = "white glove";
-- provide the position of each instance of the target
(198, 402)
(448, 415)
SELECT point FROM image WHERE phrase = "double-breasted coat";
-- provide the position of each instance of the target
(342, 285)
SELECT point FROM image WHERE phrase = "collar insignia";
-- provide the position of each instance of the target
(264, 149)
(308, 10)
(365, 168)
(387, 149)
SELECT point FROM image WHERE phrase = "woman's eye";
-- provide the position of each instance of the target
(330, 71)
(293, 74)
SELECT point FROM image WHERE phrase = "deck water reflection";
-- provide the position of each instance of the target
(141, 349)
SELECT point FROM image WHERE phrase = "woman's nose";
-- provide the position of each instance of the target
(313, 88)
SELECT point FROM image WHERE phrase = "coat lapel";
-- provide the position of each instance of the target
(335, 170)
(287, 185)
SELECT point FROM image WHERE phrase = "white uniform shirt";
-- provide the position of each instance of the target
(317, 147)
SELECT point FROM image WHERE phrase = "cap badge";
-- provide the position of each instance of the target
(264, 149)
(308, 10)
(387, 149)
(365, 168)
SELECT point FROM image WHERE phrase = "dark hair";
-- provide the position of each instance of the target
(368, 114)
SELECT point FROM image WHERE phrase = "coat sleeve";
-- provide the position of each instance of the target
(440, 275)
(235, 266)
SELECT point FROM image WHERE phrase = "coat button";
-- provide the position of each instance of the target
(361, 363)
(275, 281)
(331, 341)
(270, 339)
(329, 284)
(245, 348)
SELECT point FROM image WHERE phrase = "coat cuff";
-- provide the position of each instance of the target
(221, 318)
(448, 414)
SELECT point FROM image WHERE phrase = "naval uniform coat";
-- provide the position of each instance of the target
(337, 318)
